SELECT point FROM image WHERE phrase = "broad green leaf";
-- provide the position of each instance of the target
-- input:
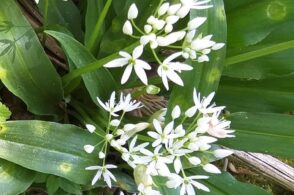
(52, 184)
(65, 13)
(49, 147)
(248, 25)
(13, 178)
(268, 95)
(262, 132)
(100, 82)
(69, 187)
(24, 67)
(226, 184)
(4, 112)
(205, 76)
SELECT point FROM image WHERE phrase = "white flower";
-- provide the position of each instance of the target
(111, 105)
(103, 171)
(186, 183)
(210, 168)
(127, 104)
(131, 129)
(89, 148)
(133, 151)
(131, 61)
(204, 105)
(147, 190)
(170, 38)
(167, 70)
(127, 28)
(133, 12)
(161, 136)
(91, 128)
(222, 153)
(156, 162)
(196, 22)
(202, 43)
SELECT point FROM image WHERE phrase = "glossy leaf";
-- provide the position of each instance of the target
(49, 147)
(64, 13)
(27, 72)
(13, 178)
(269, 95)
(205, 76)
(263, 132)
(100, 82)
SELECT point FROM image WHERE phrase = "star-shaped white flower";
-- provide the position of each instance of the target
(161, 136)
(131, 61)
(127, 104)
(110, 106)
(167, 70)
(187, 183)
(156, 162)
(103, 171)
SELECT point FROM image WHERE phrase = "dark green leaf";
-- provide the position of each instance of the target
(161, 186)
(263, 132)
(69, 187)
(52, 184)
(100, 82)
(269, 95)
(28, 73)
(48, 147)
(13, 178)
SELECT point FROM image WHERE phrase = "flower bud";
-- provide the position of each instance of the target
(115, 123)
(196, 22)
(127, 28)
(141, 176)
(194, 160)
(163, 9)
(133, 12)
(147, 28)
(109, 137)
(183, 11)
(152, 89)
(91, 128)
(217, 46)
(89, 148)
(222, 153)
(173, 9)
(176, 112)
(210, 168)
(101, 155)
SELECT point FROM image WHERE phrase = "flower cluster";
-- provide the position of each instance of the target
(170, 143)
(159, 31)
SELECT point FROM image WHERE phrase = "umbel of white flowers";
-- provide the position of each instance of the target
(159, 32)
(187, 137)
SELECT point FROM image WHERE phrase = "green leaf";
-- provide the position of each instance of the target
(161, 187)
(4, 112)
(48, 147)
(268, 95)
(250, 24)
(226, 184)
(69, 187)
(205, 76)
(27, 72)
(100, 82)
(262, 132)
(52, 184)
(13, 178)
(63, 13)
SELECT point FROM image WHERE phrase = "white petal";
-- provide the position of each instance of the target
(97, 177)
(138, 51)
(91, 128)
(156, 143)
(143, 64)
(163, 9)
(173, 9)
(175, 78)
(172, 57)
(177, 165)
(200, 186)
(120, 62)
(194, 160)
(218, 46)
(191, 111)
(153, 134)
(125, 55)
(168, 128)
(133, 12)
(183, 11)
(141, 74)
(126, 74)
(107, 179)
(157, 126)
(190, 190)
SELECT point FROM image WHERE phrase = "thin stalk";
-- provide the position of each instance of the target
(259, 53)
(97, 29)
(46, 13)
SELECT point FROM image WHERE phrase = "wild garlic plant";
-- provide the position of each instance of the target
(175, 141)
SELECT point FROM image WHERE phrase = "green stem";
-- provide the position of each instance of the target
(136, 27)
(156, 57)
(97, 29)
(93, 66)
(259, 52)
(46, 13)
